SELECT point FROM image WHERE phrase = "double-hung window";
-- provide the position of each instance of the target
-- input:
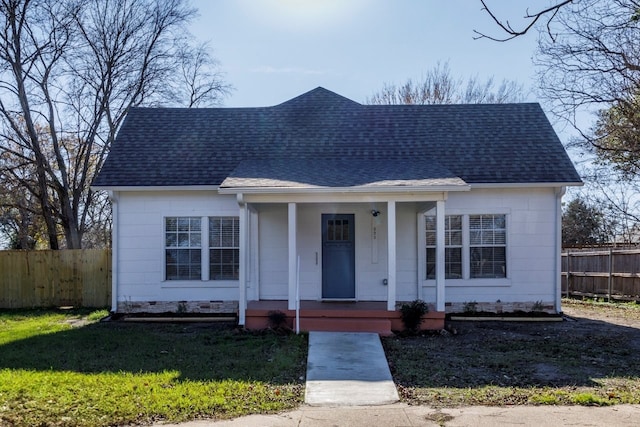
(488, 246)
(183, 253)
(224, 248)
(187, 256)
(452, 246)
(475, 246)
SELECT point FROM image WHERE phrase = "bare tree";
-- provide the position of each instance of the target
(594, 63)
(201, 82)
(546, 15)
(69, 72)
(592, 70)
(438, 86)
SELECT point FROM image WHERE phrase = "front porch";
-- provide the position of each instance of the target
(362, 316)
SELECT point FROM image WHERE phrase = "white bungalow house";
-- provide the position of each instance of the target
(349, 208)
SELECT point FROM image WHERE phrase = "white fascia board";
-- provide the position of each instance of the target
(158, 188)
(343, 197)
(492, 185)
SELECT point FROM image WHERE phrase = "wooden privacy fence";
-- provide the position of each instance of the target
(609, 273)
(30, 279)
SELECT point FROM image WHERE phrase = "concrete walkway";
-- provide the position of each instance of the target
(400, 414)
(348, 369)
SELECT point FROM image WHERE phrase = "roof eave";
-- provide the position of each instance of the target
(489, 185)
(156, 187)
(356, 189)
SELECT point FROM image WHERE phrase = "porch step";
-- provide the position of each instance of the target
(379, 326)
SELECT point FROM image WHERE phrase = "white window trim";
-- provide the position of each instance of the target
(165, 248)
(466, 280)
(209, 247)
(204, 281)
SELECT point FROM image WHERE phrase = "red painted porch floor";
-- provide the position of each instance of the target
(361, 316)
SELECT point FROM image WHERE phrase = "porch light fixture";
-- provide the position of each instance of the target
(375, 212)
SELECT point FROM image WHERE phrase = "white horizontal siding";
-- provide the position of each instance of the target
(530, 246)
(141, 245)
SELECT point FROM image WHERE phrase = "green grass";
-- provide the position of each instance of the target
(63, 368)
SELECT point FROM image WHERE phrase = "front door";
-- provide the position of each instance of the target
(338, 256)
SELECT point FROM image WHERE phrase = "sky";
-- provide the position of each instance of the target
(274, 50)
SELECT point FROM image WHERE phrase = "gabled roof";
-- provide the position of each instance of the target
(321, 139)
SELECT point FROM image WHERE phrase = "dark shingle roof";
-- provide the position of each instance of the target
(307, 173)
(479, 143)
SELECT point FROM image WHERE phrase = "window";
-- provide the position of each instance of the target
(183, 237)
(475, 246)
(487, 242)
(338, 230)
(453, 246)
(224, 248)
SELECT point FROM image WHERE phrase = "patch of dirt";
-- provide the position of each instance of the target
(78, 323)
(594, 342)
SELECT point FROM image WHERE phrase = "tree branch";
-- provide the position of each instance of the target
(512, 33)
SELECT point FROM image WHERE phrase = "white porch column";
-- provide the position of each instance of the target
(244, 250)
(440, 267)
(293, 252)
(391, 255)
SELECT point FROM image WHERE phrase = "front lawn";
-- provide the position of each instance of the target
(589, 359)
(64, 368)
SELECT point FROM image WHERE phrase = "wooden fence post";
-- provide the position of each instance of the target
(610, 278)
(568, 273)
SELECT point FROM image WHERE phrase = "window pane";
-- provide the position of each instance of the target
(488, 262)
(431, 263)
(171, 224)
(487, 238)
(431, 238)
(224, 248)
(474, 237)
(430, 222)
(456, 238)
(172, 272)
(499, 237)
(183, 224)
(183, 263)
(338, 230)
(227, 232)
(455, 222)
(453, 263)
(453, 241)
(215, 236)
(183, 240)
(475, 222)
(172, 256)
(224, 264)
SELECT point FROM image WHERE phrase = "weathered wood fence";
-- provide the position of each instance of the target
(30, 279)
(602, 273)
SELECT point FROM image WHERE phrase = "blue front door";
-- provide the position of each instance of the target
(338, 256)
